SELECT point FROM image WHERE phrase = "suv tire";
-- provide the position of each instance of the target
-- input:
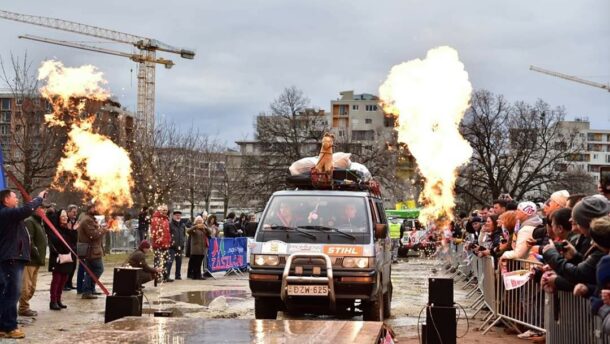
(373, 310)
(387, 302)
(265, 309)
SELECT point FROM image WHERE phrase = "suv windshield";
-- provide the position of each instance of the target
(315, 213)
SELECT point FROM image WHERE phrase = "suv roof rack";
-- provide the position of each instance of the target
(342, 179)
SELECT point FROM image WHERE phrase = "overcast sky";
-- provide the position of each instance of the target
(248, 51)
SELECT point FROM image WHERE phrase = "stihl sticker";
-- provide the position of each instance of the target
(342, 251)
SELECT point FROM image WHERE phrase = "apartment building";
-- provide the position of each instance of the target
(593, 147)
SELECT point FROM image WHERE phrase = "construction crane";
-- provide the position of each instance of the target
(146, 58)
(570, 77)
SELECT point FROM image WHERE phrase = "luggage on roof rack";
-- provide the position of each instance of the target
(342, 179)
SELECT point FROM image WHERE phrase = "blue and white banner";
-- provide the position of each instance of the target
(3, 184)
(227, 253)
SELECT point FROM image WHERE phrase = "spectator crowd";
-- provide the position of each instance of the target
(568, 237)
(28, 243)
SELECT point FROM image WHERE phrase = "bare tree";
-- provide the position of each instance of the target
(289, 132)
(575, 181)
(160, 163)
(517, 148)
(33, 148)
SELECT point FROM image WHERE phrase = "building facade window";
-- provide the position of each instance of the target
(368, 121)
(608, 158)
(4, 129)
(5, 104)
(5, 117)
(371, 108)
(363, 135)
(354, 107)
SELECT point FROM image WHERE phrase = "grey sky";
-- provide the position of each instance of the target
(248, 51)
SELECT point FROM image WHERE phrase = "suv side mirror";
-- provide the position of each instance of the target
(381, 231)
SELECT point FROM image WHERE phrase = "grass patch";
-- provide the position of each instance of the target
(115, 259)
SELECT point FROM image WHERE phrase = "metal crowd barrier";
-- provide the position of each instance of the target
(523, 305)
(565, 318)
(568, 320)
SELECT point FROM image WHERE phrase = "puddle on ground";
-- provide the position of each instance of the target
(204, 298)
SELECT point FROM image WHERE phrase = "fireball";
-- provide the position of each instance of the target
(430, 97)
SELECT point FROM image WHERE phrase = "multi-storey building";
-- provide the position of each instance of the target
(593, 147)
(359, 118)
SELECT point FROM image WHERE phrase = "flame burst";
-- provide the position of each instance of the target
(92, 162)
(430, 97)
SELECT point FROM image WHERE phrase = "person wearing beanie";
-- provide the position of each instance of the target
(587, 209)
(600, 233)
(528, 218)
(137, 259)
(569, 273)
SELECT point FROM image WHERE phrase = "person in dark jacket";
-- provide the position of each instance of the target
(600, 234)
(60, 267)
(230, 229)
(91, 234)
(143, 224)
(38, 252)
(568, 274)
(251, 226)
(71, 238)
(177, 229)
(14, 253)
(137, 259)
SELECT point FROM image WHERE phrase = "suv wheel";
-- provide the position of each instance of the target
(387, 302)
(265, 309)
(373, 310)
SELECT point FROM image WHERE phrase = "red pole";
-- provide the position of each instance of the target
(27, 198)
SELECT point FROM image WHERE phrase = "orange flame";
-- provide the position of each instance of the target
(92, 162)
(430, 97)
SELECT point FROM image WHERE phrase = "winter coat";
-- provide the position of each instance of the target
(91, 233)
(143, 221)
(521, 249)
(138, 260)
(57, 247)
(14, 238)
(159, 231)
(178, 232)
(230, 229)
(569, 274)
(38, 240)
(199, 239)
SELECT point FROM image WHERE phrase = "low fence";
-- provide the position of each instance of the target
(565, 318)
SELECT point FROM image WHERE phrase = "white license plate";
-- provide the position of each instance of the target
(311, 290)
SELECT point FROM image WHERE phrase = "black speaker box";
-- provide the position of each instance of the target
(125, 281)
(122, 306)
(440, 292)
(440, 325)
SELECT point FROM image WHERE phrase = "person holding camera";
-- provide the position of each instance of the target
(571, 267)
(14, 253)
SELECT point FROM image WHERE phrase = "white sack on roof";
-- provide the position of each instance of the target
(340, 160)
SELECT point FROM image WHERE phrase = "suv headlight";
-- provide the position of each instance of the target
(356, 262)
(266, 260)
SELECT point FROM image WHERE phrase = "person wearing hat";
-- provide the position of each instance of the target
(137, 259)
(568, 272)
(528, 218)
(600, 235)
(558, 200)
(177, 228)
